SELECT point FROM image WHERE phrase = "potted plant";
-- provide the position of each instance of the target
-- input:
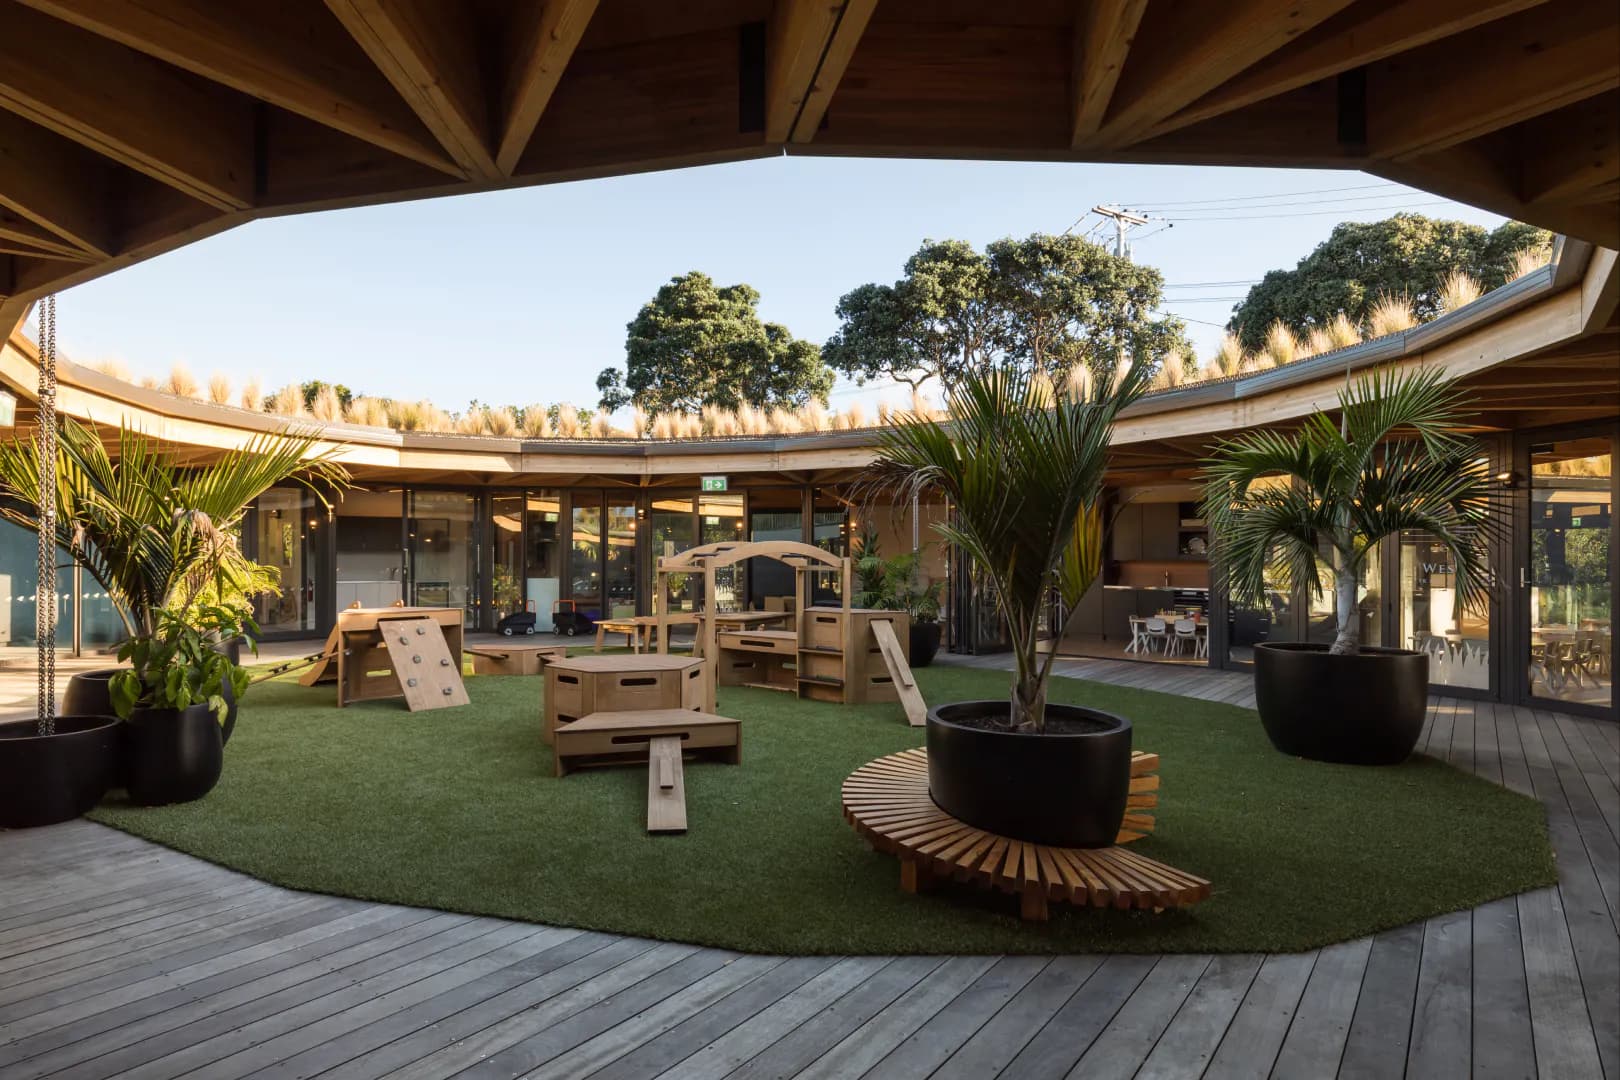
(175, 697)
(895, 585)
(159, 535)
(1022, 468)
(1392, 461)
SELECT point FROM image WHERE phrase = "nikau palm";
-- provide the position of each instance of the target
(1022, 467)
(152, 530)
(1392, 461)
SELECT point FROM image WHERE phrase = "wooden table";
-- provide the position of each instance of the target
(640, 631)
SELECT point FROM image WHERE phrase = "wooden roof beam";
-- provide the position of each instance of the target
(808, 45)
(1364, 33)
(430, 54)
(1572, 155)
(1182, 51)
(57, 184)
(1493, 77)
(535, 67)
(293, 57)
(1103, 33)
(175, 127)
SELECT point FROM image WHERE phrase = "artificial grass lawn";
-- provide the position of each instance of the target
(458, 809)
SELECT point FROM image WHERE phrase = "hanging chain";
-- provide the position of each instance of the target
(45, 595)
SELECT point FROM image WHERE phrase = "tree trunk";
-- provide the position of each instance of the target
(1348, 640)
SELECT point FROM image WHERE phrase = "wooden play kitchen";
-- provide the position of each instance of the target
(837, 654)
(888, 803)
(409, 652)
(578, 686)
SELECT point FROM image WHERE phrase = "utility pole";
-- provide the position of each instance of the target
(1124, 221)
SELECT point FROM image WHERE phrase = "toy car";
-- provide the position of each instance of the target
(519, 622)
(566, 618)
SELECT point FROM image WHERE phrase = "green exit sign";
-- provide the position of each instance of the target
(714, 483)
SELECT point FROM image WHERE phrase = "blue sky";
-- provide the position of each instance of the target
(521, 296)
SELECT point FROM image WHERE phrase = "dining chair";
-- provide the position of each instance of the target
(1157, 630)
(1186, 631)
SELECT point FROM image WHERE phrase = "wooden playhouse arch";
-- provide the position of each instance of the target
(706, 559)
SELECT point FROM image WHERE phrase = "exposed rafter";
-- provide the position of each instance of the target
(56, 184)
(536, 66)
(1185, 50)
(1103, 33)
(1364, 33)
(289, 55)
(429, 52)
(1573, 154)
(808, 44)
(1492, 77)
(191, 134)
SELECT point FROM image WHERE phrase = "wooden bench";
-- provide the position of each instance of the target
(514, 659)
(661, 737)
(887, 802)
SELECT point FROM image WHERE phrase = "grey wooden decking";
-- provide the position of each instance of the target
(119, 958)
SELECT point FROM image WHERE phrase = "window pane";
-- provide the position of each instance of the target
(290, 530)
(585, 561)
(1571, 529)
(1458, 641)
(370, 565)
(506, 576)
(444, 551)
(621, 560)
(542, 557)
(673, 526)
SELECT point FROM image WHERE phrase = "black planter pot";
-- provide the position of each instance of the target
(172, 755)
(45, 779)
(1352, 710)
(87, 694)
(1062, 789)
(924, 642)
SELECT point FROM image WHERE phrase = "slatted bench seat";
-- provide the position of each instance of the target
(887, 802)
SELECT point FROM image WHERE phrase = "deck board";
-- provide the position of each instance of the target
(119, 958)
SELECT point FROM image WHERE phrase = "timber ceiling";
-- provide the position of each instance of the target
(128, 127)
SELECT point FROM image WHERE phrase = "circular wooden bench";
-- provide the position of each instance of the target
(887, 802)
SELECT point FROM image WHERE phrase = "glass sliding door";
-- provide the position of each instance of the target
(289, 533)
(620, 564)
(1569, 571)
(1457, 639)
(585, 555)
(370, 566)
(542, 552)
(720, 518)
(506, 547)
(443, 546)
(672, 529)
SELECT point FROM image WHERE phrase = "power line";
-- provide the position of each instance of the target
(1307, 213)
(1210, 284)
(1188, 318)
(1271, 195)
(1397, 196)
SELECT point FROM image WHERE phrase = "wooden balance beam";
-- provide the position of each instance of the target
(658, 736)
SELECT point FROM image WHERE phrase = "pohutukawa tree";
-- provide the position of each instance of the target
(1022, 466)
(1392, 460)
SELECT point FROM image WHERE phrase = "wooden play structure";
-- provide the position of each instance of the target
(838, 654)
(579, 686)
(660, 737)
(409, 652)
(514, 658)
(888, 803)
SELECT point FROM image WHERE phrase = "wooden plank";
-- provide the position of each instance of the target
(926, 1049)
(1124, 1044)
(1315, 1041)
(1440, 1045)
(1196, 1032)
(57, 184)
(1564, 1041)
(1380, 1031)
(1256, 1032)
(1504, 1044)
(1103, 33)
(808, 47)
(666, 785)
(186, 132)
(905, 683)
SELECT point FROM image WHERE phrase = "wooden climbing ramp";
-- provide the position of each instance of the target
(887, 802)
(905, 684)
(427, 675)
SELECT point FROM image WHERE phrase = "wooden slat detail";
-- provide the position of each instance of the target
(539, 56)
(887, 802)
(808, 44)
(1492, 77)
(296, 58)
(183, 130)
(1364, 33)
(428, 52)
(1102, 40)
(1194, 49)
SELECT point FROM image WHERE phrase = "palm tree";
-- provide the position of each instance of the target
(1022, 466)
(1392, 461)
(152, 530)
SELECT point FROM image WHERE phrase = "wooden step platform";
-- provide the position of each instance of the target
(608, 738)
(887, 802)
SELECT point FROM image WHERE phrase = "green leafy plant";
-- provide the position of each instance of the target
(895, 584)
(177, 665)
(1392, 461)
(1022, 468)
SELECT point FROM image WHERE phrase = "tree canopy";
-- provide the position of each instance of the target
(1406, 255)
(1040, 304)
(695, 344)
